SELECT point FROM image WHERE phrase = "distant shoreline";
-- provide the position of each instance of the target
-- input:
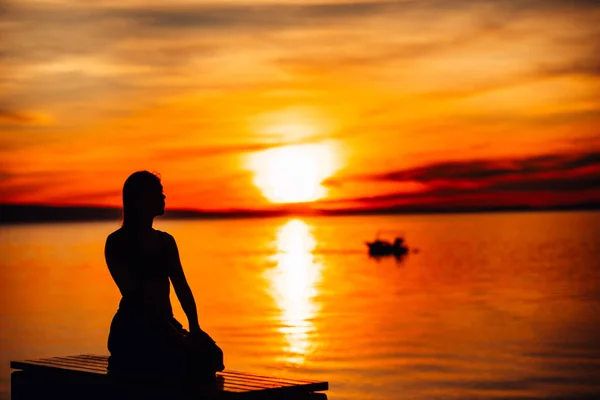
(30, 213)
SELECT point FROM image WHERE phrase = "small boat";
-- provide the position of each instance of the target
(380, 247)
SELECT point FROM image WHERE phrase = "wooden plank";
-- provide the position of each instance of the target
(229, 386)
(27, 364)
(307, 387)
(242, 385)
(253, 382)
(276, 380)
(91, 357)
(266, 378)
(97, 363)
(270, 377)
(313, 387)
(84, 358)
(279, 393)
(253, 385)
(94, 356)
(78, 361)
(250, 380)
(37, 364)
(46, 371)
(104, 358)
(269, 386)
(66, 364)
(229, 382)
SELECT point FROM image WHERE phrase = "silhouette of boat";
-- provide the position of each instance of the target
(380, 247)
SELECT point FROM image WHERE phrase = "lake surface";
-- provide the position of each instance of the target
(491, 305)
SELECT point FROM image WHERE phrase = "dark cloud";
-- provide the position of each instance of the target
(268, 15)
(526, 192)
(198, 16)
(6, 175)
(526, 178)
(485, 170)
(25, 186)
(552, 184)
(20, 191)
(585, 141)
(589, 66)
(14, 117)
(89, 197)
(272, 15)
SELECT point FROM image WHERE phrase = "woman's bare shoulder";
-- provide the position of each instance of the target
(116, 238)
(165, 236)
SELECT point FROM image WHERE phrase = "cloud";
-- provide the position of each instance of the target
(13, 117)
(532, 177)
(586, 66)
(177, 17)
(146, 43)
(484, 170)
(20, 190)
(92, 197)
(144, 21)
(553, 192)
(233, 149)
(278, 15)
(21, 186)
(210, 151)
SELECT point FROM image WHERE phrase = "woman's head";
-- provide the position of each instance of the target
(143, 197)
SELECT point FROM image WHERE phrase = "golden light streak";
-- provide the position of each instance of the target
(294, 286)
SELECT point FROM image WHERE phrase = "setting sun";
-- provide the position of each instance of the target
(293, 174)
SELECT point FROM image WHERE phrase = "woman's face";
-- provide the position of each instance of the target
(158, 200)
(153, 201)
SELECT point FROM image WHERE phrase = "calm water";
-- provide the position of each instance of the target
(492, 306)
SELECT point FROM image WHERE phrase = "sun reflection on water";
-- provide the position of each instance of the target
(294, 287)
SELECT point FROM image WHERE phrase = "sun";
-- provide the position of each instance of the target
(293, 174)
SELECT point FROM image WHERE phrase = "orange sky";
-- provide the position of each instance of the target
(243, 104)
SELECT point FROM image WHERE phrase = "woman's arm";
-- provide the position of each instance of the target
(181, 286)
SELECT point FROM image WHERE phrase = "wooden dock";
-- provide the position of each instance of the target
(84, 377)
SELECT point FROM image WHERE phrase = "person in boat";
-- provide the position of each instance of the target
(145, 339)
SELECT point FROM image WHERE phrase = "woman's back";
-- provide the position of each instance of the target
(139, 264)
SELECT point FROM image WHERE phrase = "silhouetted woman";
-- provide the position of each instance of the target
(145, 339)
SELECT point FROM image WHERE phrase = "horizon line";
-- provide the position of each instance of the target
(11, 213)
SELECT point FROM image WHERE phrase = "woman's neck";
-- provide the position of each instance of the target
(141, 224)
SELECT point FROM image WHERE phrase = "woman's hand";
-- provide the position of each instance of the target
(195, 328)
